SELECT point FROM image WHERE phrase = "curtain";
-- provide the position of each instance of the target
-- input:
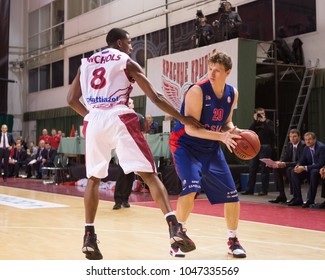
(4, 54)
(316, 113)
(8, 120)
(61, 123)
(316, 105)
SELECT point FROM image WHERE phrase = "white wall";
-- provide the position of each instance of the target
(88, 31)
(17, 43)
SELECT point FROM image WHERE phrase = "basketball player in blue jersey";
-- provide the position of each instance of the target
(104, 81)
(199, 160)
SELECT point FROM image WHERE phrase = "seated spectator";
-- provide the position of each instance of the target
(308, 167)
(31, 151)
(48, 161)
(22, 142)
(55, 139)
(37, 164)
(322, 175)
(18, 160)
(292, 153)
(151, 126)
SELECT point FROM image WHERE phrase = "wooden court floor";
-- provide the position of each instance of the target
(136, 233)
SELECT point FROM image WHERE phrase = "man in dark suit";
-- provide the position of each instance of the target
(6, 143)
(48, 161)
(37, 164)
(18, 159)
(292, 153)
(322, 175)
(308, 167)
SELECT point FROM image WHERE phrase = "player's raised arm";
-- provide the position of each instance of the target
(135, 71)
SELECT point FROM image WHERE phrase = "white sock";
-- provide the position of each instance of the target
(182, 223)
(169, 214)
(231, 233)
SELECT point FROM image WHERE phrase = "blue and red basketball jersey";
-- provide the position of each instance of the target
(214, 115)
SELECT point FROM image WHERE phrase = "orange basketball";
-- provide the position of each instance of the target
(248, 146)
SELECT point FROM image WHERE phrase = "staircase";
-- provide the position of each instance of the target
(302, 101)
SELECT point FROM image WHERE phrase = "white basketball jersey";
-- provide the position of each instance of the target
(103, 80)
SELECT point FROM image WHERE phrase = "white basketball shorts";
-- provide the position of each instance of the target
(115, 128)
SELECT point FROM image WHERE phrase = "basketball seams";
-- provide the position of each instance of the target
(248, 146)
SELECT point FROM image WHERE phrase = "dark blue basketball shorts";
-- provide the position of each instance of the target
(207, 170)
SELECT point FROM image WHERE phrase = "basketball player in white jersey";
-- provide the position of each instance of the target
(104, 81)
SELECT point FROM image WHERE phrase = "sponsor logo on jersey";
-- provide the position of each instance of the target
(213, 127)
(207, 97)
(228, 99)
(100, 99)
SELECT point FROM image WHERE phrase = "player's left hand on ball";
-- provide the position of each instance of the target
(229, 139)
(236, 130)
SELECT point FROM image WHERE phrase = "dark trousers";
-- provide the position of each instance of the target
(4, 154)
(36, 166)
(323, 188)
(279, 173)
(254, 164)
(123, 187)
(312, 177)
(17, 167)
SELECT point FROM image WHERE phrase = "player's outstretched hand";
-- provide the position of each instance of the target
(188, 120)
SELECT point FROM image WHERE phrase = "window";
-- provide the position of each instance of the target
(44, 40)
(138, 52)
(90, 5)
(46, 27)
(157, 43)
(78, 7)
(46, 76)
(181, 35)
(74, 8)
(57, 23)
(294, 17)
(45, 81)
(33, 80)
(57, 74)
(33, 23)
(33, 44)
(257, 20)
(45, 17)
(74, 63)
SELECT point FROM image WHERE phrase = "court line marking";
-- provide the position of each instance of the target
(193, 235)
(26, 203)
